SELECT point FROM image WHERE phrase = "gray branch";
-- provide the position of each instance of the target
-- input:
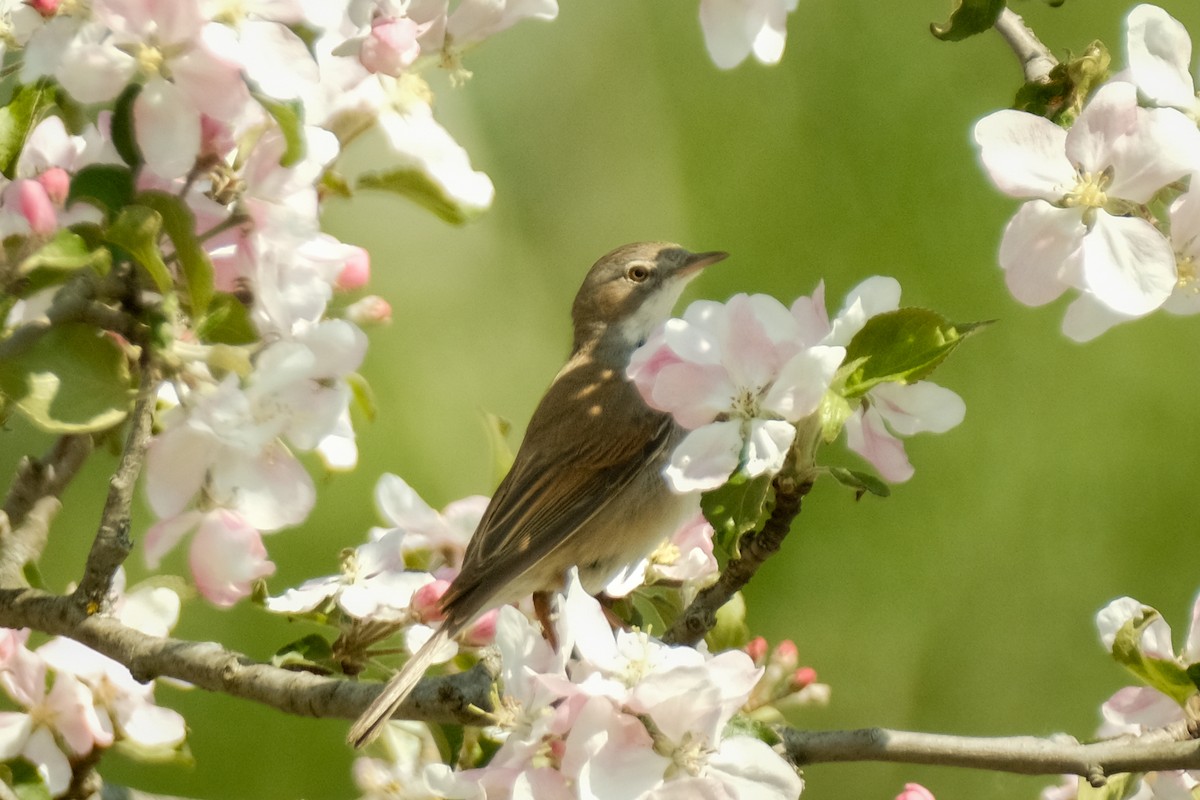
(1036, 59)
(1169, 748)
(112, 543)
(463, 698)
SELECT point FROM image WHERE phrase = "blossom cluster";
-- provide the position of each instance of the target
(91, 702)
(1139, 639)
(1112, 210)
(741, 375)
(606, 715)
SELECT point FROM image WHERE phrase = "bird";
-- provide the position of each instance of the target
(586, 488)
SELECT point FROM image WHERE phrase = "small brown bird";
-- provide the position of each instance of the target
(586, 488)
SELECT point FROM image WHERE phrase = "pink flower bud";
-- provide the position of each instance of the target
(57, 183)
(756, 648)
(370, 310)
(483, 630)
(36, 207)
(915, 791)
(391, 46)
(785, 655)
(47, 8)
(356, 271)
(427, 600)
(802, 677)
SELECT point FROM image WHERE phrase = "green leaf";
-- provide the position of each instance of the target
(731, 630)
(24, 779)
(290, 118)
(361, 395)
(108, 187)
(741, 725)
(136, 230)
(70, 379)
(417, 186)
(123, 135)
(227, 322)
(738, 506)
(16, 120)
(180, 224)
(1116, 787)
(860, 482)
(968, 18)
(311, 653)
(902, 346)
(1165, 676)
(57, 260)
(655, 607)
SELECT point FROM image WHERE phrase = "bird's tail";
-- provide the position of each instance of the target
(368, 725)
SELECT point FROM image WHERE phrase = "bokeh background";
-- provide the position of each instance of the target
(962, 604)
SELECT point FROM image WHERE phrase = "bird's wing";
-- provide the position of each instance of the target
(567, 471)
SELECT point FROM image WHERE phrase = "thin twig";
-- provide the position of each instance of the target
(699, 617)
(1168, 748)
(46, 476)
(112, 543)
(1036, 59)
(32, 503)
(463, 698)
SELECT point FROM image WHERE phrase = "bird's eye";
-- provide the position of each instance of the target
(637, 272)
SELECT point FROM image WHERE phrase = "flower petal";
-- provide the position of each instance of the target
(1024, 154)
(706, 457)
(1160, 52)
(1036, 250)
(1128, 264)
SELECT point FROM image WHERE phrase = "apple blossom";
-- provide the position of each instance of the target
(373, 584)
(738, 376)
(1081, 231)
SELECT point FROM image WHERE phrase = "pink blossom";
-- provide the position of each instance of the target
(915, 791)
(356, 271)
(392, 46)
(36, 206)
(739, 376)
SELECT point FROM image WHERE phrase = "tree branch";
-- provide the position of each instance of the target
(1036, 58)
(699, 617)
(463, 698)
(112, 544)
(32, 503)
(1168, 748)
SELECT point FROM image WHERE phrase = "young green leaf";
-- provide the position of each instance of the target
(902, 346)
(1165, 676)
(289, 117)
(734, 508)
(124, 139)
(968, 18)
(416, 186)
(180, 224)
(860, 482)
(136, 230)
(227, 322)
(70, 379)
(57, 260)
(16, 119)
(108, 187)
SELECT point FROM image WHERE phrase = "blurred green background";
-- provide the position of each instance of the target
(962, 604)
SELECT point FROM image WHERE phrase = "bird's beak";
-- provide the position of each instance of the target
(698, 261)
